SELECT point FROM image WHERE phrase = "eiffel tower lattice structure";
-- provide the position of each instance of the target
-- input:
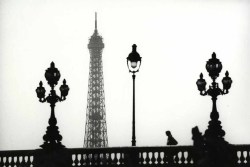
(96, 128)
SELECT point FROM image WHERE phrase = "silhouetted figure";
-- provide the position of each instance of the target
(171, 140)
(211, 152)
(199, 149)
(197, 137)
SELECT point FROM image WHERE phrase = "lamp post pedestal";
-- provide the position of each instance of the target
(52, 138)
(52, 158)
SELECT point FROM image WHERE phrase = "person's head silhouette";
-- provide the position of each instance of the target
(168, 133)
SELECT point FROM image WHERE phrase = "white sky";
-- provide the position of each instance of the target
(174, 39)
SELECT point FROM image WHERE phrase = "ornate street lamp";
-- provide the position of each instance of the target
(214, 68)
(52, 138)
(133, 63)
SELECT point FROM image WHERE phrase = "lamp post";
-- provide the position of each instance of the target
(214, 68)
(52, 138)
(133, 63)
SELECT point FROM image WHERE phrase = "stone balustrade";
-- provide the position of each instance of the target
(177, 156)
(17, 158)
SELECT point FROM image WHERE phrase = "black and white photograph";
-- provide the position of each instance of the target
(128, 83)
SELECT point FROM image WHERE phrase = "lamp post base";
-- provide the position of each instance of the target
(52, 158)
(52, 139)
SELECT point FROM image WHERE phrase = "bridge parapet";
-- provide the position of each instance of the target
(17, 158)
(139, 156)
(242, 153)
(178, 156)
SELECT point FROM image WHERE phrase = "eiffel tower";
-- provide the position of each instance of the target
(96, 128)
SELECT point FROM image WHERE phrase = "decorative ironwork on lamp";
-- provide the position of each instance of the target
(52, 138)
(214, 68)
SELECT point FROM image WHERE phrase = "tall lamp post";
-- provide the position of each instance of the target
(52, 138)
(214, 67)
(133, 63)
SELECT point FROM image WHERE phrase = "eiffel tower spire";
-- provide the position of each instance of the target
(95, 21)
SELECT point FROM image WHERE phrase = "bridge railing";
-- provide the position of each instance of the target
(243, 155)
(122, 156)
(17, 158)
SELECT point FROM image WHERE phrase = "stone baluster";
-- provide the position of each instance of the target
(165, 158)
(7, 163)
(109, 159)
(147, 159)
(87, 159)
(248, 157)
(115, 160)
(23, 161)
(241, 157)
(141, 158)
(77, 160)
(183, 159)
(82, 159)
(158, 159)
(121, 158)
(92, 160)
(29, 162)
(153, 159)
(176, 158)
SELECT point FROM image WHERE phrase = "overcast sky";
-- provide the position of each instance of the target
(174, 39)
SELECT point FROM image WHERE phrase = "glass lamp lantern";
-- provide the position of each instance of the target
(227, 82)
(134, 60)
(213, 67)
(201, 83)
(64, 89)
(40, 91)
(52, 75)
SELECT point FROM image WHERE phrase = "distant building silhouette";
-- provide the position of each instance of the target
(96, 128)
